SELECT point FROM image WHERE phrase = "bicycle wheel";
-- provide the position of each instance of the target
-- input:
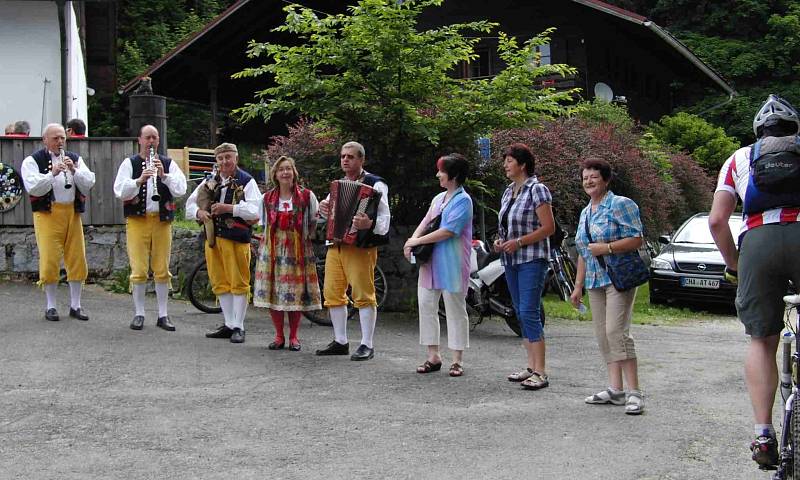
(198, 289)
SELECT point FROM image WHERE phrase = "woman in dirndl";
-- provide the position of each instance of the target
(286, 273)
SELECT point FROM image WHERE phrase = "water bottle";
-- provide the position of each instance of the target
(582, 308)
(786, 365)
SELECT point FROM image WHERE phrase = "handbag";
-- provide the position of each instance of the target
(424, 252)
(626, 270)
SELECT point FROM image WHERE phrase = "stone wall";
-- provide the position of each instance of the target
(106, 253)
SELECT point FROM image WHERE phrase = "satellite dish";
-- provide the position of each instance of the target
(603, 92)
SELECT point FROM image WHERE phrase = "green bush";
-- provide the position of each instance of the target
(708, 144)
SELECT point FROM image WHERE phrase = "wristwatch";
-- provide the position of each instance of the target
(610, 250)
(519, 244)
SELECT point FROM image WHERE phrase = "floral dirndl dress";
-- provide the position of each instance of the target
(286, 272)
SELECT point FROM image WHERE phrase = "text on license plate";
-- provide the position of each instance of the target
(699, 282)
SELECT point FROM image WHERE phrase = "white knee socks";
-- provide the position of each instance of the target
(226, 302)
(368, 317)
(339, 321)
(239, 311)
(75, 294)
(139, 289)
(162, 295)
(50, 293)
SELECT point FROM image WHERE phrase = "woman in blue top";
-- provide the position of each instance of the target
(526, 222)
(615, 228)
(447, 273)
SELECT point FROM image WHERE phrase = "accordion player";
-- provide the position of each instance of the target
(348, 198)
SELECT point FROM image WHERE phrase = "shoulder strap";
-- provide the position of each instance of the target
(755, 151)
(600, 259)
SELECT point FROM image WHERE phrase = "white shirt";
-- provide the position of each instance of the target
(38, 184)
(125, 187)
(247, 209)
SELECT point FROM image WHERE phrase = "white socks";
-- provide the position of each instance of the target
(139, 289)
(339, 321)
(162, 295)
(75, 294)
(50, 293)
(239, 311)
(226, 302)
(368, 317)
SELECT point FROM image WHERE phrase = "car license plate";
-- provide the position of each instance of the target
(699, 282)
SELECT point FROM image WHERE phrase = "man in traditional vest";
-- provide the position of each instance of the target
(354, 265)
(57, 182)
(148, 192)
(237, 203)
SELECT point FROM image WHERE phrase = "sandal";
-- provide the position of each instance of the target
(520, 376)
(536, 381)
(634, 405)
(429, 367)
(605, 397)
(456, 370)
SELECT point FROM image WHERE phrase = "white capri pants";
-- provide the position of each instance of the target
(455, 306)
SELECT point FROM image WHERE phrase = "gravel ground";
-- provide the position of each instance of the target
(98, 400)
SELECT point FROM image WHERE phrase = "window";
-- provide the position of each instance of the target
(542, 56)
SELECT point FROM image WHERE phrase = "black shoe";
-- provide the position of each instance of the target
(51, 314)
(295, 347)
(78, 313)
(276, 345)
(335, 348)
(765, 452)
(137, 323)
(163, 322)
(221, 332)
(363, 353)
(237, 336)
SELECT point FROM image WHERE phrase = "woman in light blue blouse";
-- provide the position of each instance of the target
(615, 228)
(526, 222)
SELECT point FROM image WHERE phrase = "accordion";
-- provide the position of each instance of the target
(347, 199)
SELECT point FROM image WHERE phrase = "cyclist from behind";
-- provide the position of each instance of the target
(766, 177)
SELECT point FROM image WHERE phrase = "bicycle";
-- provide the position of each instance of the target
(789, 446)
(200, 294)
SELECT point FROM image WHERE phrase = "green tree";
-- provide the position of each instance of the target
(371, 75)
(708, 144)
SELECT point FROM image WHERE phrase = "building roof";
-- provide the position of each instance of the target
(218, 51)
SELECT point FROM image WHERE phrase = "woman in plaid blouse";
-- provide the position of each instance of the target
(614, 227)
(526, 222)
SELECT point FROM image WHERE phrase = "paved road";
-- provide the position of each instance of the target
(98, 400)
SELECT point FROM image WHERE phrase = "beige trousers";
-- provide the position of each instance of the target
(612, 311)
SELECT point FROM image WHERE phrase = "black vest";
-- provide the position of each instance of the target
(45, 164)
(226, 225)
(366, 238)
(137, 206)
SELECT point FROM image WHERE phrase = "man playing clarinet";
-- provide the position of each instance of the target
(148, 184)
(354, 265)
(57, 182)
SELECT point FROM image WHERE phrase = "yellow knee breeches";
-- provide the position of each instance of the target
(59, 235)
(149, 246)
(229, 267)
(346, 264)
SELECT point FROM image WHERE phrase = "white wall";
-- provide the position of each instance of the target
(31, 53)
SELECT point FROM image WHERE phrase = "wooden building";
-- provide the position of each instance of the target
(618, 53)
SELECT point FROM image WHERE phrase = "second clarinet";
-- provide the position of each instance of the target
(150, 164)
(67, 176)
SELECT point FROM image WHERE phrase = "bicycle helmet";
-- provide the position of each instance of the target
(775, 109)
